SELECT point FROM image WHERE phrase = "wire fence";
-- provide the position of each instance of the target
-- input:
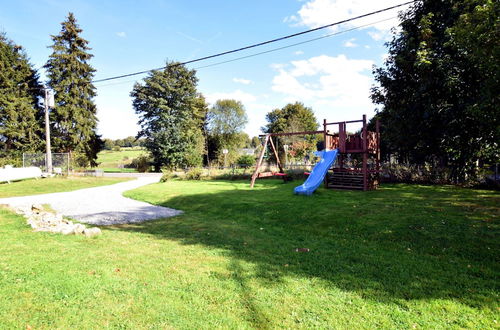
(61, 163)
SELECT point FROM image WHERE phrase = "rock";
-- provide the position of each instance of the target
(91, 232)
(45, 221)
(78, 229)
(68, 230)
(36, 208)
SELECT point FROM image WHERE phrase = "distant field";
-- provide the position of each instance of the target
(114, 161)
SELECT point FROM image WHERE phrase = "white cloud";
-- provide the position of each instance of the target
(299, 52)
(108, 127)
(121, 34)
(328, 84)
(242, 81)
(315, 13)
(350, 43)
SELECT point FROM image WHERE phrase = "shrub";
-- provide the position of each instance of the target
(167, 175)
(16, 162)
(79, 160)
(194, 174)
(246, 161)
(116, 148)
(143, 163)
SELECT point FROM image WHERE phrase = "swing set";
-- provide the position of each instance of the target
(341, 176)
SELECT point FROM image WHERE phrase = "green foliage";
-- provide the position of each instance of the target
(13, 161)
(167, 175)
(246, 161)
(300, 149)
(116, 148)
(20, 114)
(169, 116)
(142, 163)
(225, 123)
(227, 117)
(73, 120)
(291, 118)
(194, 173)
(439, 86)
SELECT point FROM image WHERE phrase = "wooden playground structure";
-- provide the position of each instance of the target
(358, 162)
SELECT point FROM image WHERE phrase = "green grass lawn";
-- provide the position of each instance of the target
(401, 257)
(113, 161)
(52, 185)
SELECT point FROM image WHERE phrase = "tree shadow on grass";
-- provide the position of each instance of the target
(398, 243)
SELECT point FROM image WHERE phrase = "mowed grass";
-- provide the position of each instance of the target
(401, 257)
(113, 161)
(52, 185)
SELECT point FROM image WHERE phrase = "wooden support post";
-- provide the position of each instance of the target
(364, 141)
(276, 155)
(377, 136)
(259, 162)
(326, 146)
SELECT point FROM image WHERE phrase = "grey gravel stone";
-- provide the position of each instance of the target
(100, 205)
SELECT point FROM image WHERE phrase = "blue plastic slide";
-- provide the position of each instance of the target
(318, 173)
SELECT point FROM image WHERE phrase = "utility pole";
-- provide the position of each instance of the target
(48, 152)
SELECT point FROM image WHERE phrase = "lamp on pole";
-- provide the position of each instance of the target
(48, 103)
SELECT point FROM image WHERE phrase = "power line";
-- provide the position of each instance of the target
(295, 44)
(263, 43)
(260, 43)
(271, 50)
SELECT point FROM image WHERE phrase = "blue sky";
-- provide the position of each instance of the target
(331, 75)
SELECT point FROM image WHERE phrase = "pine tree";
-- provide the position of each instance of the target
(73, 120)
(170, 116)
(20, 113)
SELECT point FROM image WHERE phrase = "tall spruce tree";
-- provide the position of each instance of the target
(20, 113)
(73, 120)
(171, 114)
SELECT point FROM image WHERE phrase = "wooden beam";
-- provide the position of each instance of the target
(293, 133)
(259, 163)
(346, 122)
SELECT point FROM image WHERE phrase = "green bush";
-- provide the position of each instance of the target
(142, 163)
(116, 148)
(16, 162)
(167, 176)
(194, 174)
(246, 161)
(79, 160)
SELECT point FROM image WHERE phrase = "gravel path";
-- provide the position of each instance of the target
(100, 205)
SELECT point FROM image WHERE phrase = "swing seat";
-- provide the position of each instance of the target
(280, 174)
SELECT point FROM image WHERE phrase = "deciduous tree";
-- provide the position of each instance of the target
(439, 86)
(168, 107)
